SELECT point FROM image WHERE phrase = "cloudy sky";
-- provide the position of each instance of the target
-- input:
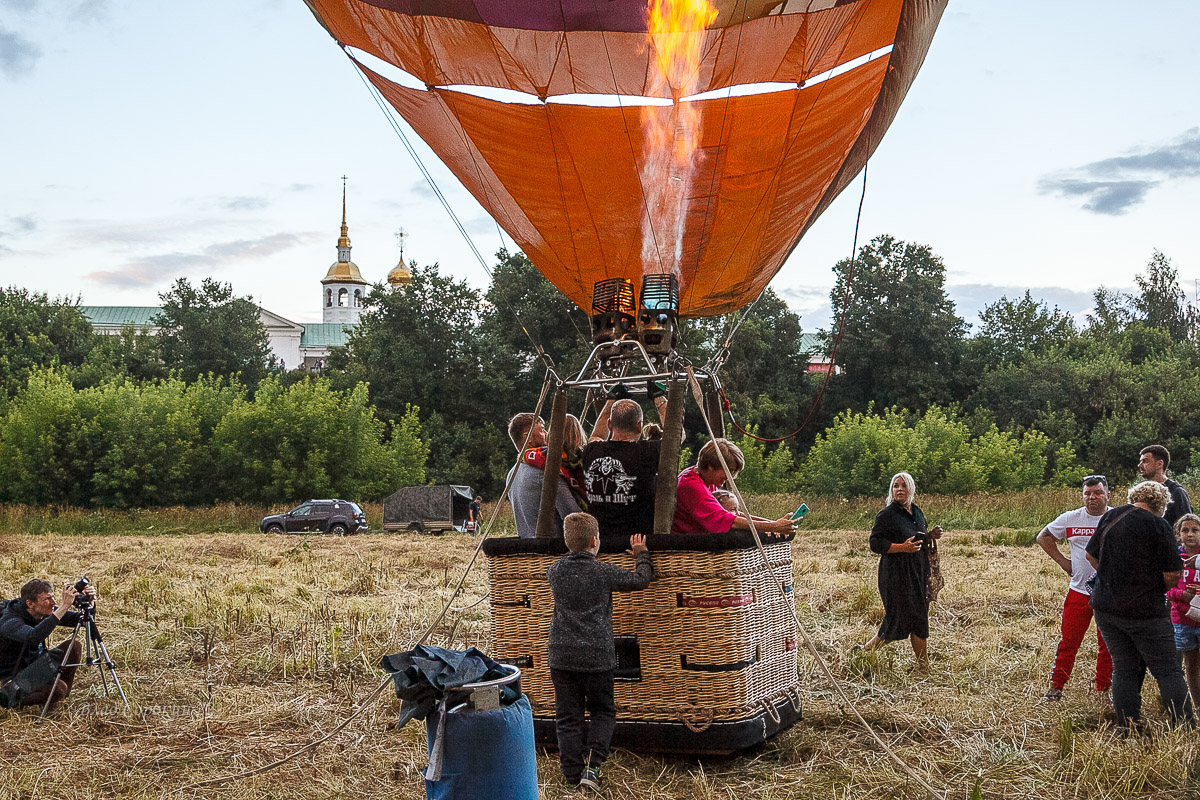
(1050, 146)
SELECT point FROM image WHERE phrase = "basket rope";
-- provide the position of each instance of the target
(702, 726)
(772, 712)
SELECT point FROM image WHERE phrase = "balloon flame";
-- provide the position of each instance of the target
(676, 34)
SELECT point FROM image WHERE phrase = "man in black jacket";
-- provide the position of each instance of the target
(1153, 462)
(26, 623)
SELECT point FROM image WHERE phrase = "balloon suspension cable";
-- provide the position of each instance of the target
(808, 642)
(366, 701)
(837, 340)
(542, 355)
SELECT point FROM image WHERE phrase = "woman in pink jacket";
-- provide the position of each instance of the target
(697, 511)
(1187, 630)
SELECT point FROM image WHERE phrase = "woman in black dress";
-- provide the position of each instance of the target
(899, 537)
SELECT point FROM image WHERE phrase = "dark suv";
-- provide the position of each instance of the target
(339, 517)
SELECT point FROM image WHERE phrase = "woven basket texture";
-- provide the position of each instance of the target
(715, 632)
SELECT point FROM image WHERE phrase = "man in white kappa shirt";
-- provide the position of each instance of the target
(1077, 528)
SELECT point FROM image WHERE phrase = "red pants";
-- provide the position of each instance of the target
(1077, 616)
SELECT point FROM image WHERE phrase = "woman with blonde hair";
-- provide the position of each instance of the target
(1136, 561)
(899, 536)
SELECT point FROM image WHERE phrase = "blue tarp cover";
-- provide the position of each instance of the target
(424, 674)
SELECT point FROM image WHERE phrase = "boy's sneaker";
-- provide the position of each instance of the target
(590, 779)
(1052, 695)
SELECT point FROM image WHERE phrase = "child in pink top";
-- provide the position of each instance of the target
(1187, 630)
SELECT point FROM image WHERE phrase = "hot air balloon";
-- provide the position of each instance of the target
(585, 188)
(683, 146)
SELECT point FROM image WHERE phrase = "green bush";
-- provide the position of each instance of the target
(310, 441)
(859, 453)
(125, 444)
(763, 473)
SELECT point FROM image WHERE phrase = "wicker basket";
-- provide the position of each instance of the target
(712, 640)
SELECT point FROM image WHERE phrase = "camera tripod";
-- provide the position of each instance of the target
(94, 654)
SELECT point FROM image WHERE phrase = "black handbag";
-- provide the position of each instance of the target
(15, 690)
(936, 582)
(1091, 582)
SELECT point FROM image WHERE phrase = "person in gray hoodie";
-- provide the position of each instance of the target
(580, 651)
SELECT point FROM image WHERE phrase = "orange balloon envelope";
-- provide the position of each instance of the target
(685, 170)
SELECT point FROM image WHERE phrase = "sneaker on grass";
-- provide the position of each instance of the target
(590, 779)
(1052, 695)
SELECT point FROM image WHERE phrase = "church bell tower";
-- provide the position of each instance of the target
(343, 288)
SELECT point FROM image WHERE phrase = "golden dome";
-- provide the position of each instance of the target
(400, 275)
(343, 272)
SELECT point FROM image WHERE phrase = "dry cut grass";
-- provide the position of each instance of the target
(1019, 515)
(236, 649)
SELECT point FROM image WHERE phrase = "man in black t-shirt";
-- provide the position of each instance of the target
(620, 471)
(473, 511)
(1137, 560)
(1153, 462)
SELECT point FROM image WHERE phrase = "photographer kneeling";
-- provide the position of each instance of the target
(25, 625)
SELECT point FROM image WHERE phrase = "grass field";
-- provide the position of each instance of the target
(1019, 511)
(236, 648)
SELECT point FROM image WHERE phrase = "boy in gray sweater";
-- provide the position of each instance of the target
(581, 652)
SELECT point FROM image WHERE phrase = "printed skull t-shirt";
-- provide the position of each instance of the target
(620, 485)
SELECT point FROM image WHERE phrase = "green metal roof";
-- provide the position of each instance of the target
(812, 344)
(325, 334)
(316, 334)
(138, 316)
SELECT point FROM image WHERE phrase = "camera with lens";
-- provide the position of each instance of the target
(82, 600)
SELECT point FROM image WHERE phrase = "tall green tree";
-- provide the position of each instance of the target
(522, 312)
(1160, 302)
(765, 374)
(1112, 311)
(131, 353)
(416, 345)
(206, 330)
(37, 332)
(901, 340)
(420, 345)
(1010, 329)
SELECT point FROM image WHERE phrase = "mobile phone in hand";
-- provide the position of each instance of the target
(800, 512)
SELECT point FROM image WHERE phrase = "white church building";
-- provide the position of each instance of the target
(292, 343)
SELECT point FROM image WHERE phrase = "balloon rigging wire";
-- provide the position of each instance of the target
(377, 96)
(837, 340)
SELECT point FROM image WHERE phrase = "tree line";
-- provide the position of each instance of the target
(426, 383)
